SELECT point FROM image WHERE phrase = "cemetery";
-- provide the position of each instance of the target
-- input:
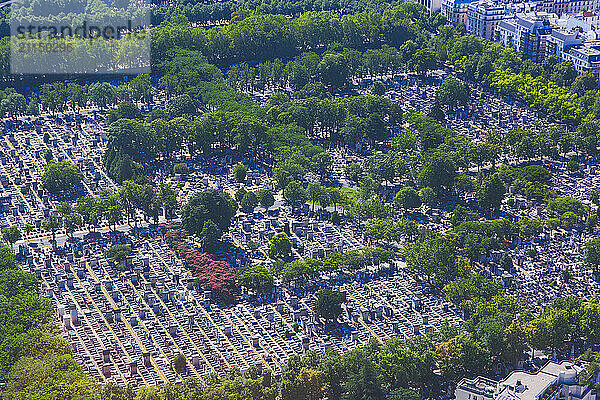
(127, 320)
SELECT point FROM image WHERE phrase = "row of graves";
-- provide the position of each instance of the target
(538, 278)
(541, 276)
(77, 138)
(311, 236)
(579, 184)
(486, 111)
(551, 264)
(127, 320)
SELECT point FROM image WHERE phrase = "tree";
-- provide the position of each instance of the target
(437, 173)
(239, 194)
(117, 252)
(382, 166)
(207, 205)
(529, 227)
(329, 304)
(61, 176)
(535, 174)
(168, 198)
(424, 60)
(141, 88)
(239, 172)
(491, 193)
(71, 222)
(179, 362)
(378, 88)
(48, 156)
(427, 195)
(125, 109)
(333, 69)
(7, 258)
(353, 172)
(335, 196)
(433, 256)
(113, 391)
(280, 245)
(453, 92)
(474, 287)
(320, 163)
(463, 183)
(303, 384)
(181, 169)
(294, 192)
(51, 376)
(313, 191)
(592, 253)
(365, 385)
(52, 224)
(583, 83)
(102, 94)
(131, 196)
(180, 106)
(564, 73)
(405, 362)
(404, 394)
(436, 112)
(111, 206)
(539, 333)
(266, 198)
(33, 108)
(462, 354)
(573, 165)
(209, 236)
(256, 277)
(407, 198)
(561, 205)
(11, 234)
(590, 321)
(406, 139)
(249, 201)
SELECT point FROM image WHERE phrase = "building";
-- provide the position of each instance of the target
(553, 382)
(431, 5)
(483, 17)
(480, 388)
(585, 59)
(455, 10)
(522, 7)
(527, 33)
(560, 41)
(561, 7)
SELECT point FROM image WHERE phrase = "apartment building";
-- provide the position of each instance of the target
(484, 17)
(560, 41)
(561, 7)
(432, 6)
(585, 59)
(455, 10)
(527, 33)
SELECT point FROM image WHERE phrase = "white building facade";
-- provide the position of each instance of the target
(484, 17)
(553, 382)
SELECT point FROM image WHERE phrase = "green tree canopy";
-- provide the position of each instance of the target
(61, 176)
(328, 304)
(208, 205)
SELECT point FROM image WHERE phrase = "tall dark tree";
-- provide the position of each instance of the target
(329, 304)
(208, 205)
